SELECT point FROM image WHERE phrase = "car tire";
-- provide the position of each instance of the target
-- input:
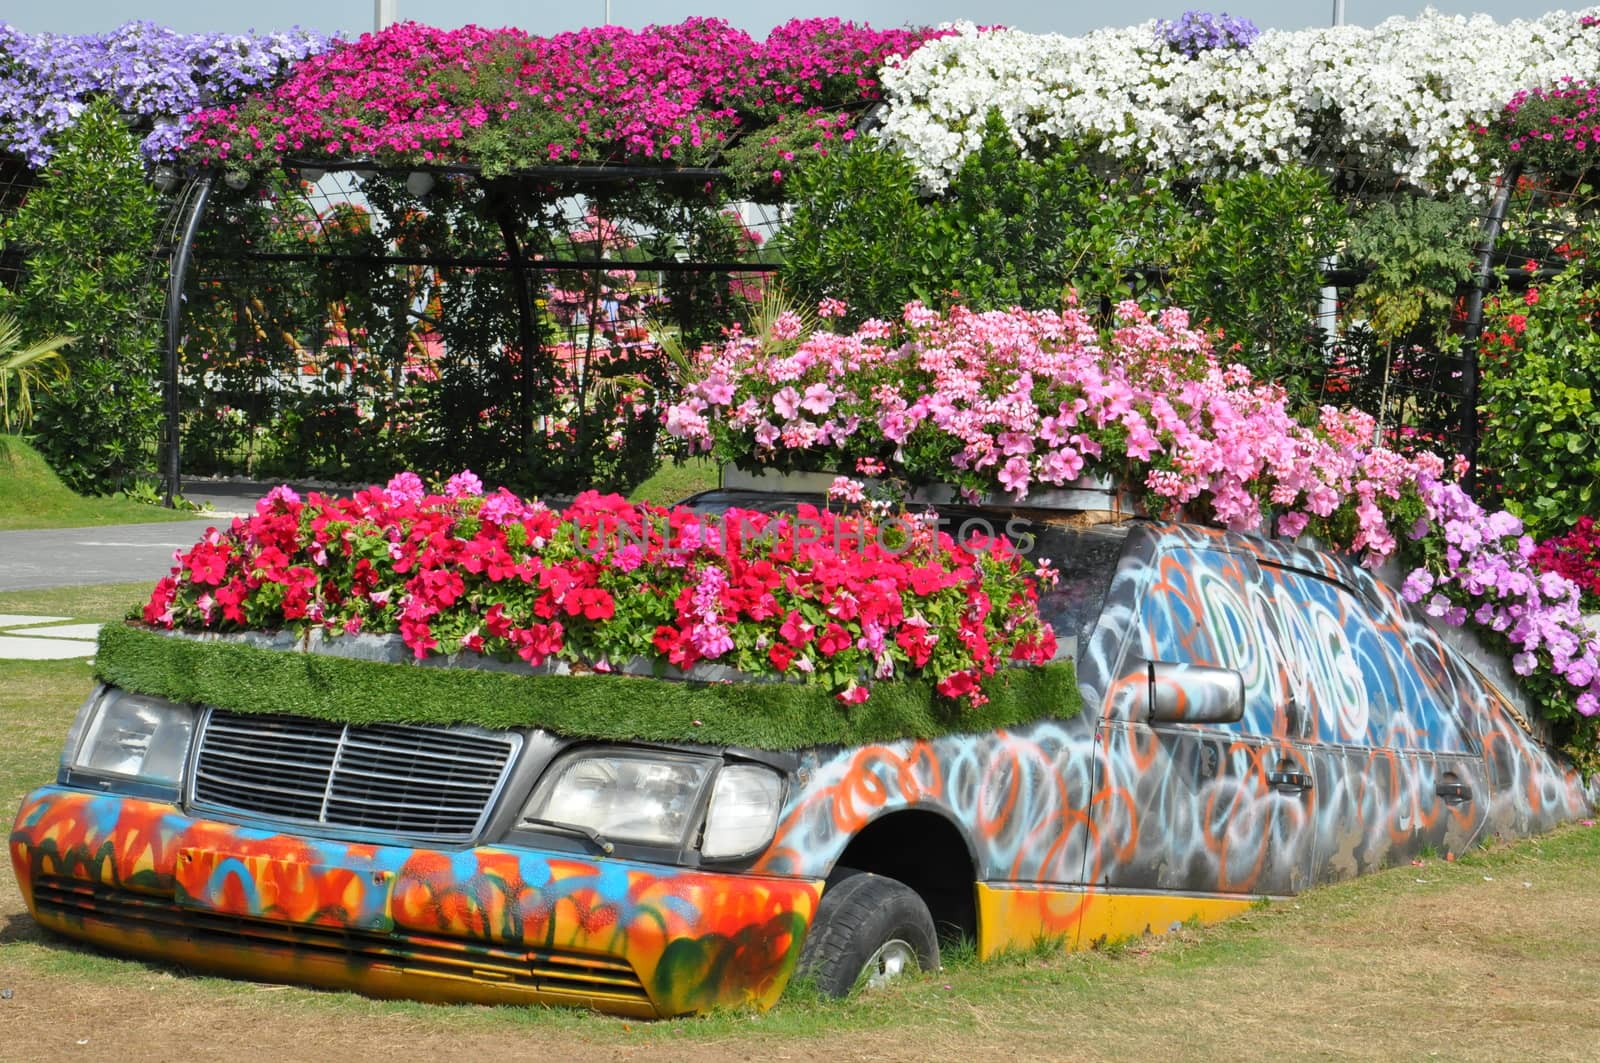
(868, 930)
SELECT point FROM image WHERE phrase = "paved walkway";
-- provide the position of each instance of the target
(75, 557)
(44, 638)
(119, 553)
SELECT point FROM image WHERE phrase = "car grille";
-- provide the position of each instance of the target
(435, 783)
(540, 970)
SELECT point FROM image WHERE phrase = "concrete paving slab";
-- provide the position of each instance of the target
(59, 631)
(22, 620)
(16, 648)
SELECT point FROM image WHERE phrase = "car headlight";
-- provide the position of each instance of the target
(658, 798)
(743, 812)
(135, 736)
(651, 798)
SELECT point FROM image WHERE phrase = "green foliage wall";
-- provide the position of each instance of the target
(1251, 264)
(1420, 254)
(1541, 382)
(86, 232)
(1011, 230)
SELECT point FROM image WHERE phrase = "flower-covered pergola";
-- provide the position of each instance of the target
(696, 93)
(608, 180)
(1211, 94)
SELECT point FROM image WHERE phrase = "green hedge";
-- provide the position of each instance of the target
(753, 715)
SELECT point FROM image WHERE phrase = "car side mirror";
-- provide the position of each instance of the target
(1188, 693)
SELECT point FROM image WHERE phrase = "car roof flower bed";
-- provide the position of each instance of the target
(1011, 402)
(840, 629)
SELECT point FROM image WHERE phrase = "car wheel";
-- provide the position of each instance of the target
(868, 930)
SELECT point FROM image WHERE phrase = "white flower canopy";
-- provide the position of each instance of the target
(1404, 95)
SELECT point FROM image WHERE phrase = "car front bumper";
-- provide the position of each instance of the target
(492, 924)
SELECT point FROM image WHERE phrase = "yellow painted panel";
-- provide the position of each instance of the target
(1019, 917)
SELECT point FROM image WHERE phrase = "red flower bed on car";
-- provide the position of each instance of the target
(817, 596)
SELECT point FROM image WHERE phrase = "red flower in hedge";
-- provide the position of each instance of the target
(957, 684)
(1035, 649)
(232, 598)
(487, 554)
(918, 640)
(299, 584)
(796, 630)
(158, 610)
(927, 579)
(853, 694)
(675, 646)
(591, 603)
(538, 642)
(833, 639)
(439, 588)
(418, 636)
(208, 564)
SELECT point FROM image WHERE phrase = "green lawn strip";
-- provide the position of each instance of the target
(672, 482)
(754, 715)
(97, 603)
(676, 481)
(32, 496)
(37, 702)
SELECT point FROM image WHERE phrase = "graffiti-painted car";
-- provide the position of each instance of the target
(1259, 718)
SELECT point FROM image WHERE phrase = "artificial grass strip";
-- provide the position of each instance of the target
(774, 716)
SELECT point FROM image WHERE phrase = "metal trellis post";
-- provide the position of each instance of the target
(1482, 279)
(199, 192)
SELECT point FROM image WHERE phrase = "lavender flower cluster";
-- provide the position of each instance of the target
(154, 74)
(1201, 31)
(1486, 573)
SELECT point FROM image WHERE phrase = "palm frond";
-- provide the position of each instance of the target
(24, 370)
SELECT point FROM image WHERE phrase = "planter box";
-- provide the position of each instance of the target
(1088, 494)
(368, 679)
(391, 649)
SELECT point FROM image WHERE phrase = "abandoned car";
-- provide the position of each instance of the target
(1256, 718)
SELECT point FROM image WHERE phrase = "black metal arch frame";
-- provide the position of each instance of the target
(194, 198)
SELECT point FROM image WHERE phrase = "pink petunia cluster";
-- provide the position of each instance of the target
(1553, 127)
(1019, 401)
(679, 94)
